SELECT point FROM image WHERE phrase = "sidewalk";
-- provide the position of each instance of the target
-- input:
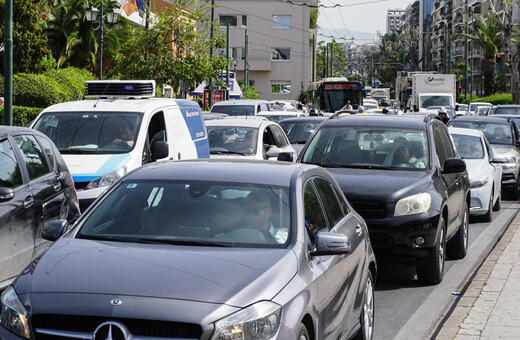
(489, 307)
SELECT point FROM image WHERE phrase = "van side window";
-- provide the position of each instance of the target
(156, 132)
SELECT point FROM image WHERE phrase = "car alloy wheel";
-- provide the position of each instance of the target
(457, 247)
(489, 214)
(498, 203)
(432, 271)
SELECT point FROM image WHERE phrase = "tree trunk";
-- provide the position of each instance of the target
(488, 69)
(515, 74)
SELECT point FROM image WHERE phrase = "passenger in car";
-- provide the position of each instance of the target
(259, 215)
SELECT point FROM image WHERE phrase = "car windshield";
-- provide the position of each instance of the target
(369, 148)
(507, 111)
(232, 140)
(469, 147)
(87, 132)
(496, 133)
(299, 132)
(196, 213)
(438, 100)
(235, 110)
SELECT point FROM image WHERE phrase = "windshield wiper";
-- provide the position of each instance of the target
(182, 242)
(117, 238)
(227, 153)
(185, 242)
(77, 151)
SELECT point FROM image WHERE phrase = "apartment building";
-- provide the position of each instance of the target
(394, 21)
(279, 46)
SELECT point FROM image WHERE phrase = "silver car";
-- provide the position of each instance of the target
(207, 249)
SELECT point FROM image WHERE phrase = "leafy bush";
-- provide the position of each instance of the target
(251, 93)
(495, 99)
(51, 87)
(22, 115)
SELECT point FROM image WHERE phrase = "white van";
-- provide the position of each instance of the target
(125, 127)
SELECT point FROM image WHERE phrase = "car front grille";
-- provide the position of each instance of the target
(47, 327)
(370, 209)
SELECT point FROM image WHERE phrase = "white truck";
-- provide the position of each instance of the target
(432, 90)
(380, 93)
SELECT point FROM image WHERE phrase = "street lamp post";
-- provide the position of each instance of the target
(91, 14)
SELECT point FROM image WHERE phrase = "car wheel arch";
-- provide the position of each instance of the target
(309, 324)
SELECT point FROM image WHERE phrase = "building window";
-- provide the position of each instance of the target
(281, 54)
(281, 87)
(228, 19)
(244, 20)
(281, 21)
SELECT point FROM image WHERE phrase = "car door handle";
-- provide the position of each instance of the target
(28, 201)
(359, 230)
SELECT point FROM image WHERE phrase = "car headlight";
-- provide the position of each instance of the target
(13, 315)
(510, 162)
(108, 179)
(415, 204)
(258, 321)
(479, 182)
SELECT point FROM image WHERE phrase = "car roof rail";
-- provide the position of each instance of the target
(120, 89)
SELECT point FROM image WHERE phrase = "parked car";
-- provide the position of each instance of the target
(35, 187)
(403, 175)
(299, 130)
(505, 110)
(502, 134)
(247, 137)
(178, 250)
(473, 106)
(484, 170)
(240, 107)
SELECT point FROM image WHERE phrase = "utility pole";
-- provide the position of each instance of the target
(210, 99)
(466, 57)
(472, 47)
(227, 59)
(331, 61)
(245, 61)
(313, 58)
(326, 69)
(8, 64)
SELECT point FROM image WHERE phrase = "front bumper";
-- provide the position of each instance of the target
(480, 197)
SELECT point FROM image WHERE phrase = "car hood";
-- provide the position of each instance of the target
(476, 168)
(504, 150)
(205, 274)
(383, 185)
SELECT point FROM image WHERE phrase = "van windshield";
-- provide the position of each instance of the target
(87, 132)
(235, 110)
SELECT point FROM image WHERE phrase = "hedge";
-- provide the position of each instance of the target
(51, 87)
(495, 99)
(22, 115)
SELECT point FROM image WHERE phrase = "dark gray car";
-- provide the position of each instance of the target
(203, 250)
(35, 187)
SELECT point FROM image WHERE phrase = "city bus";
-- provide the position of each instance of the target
(330, 94)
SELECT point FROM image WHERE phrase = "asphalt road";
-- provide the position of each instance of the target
(407, 309)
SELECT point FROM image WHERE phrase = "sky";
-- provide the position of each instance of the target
(357, 16)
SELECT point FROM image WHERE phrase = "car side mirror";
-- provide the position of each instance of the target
(52, 230)
(497, 159)
(273, 152)
(6, 194)
(285, 157)
(159, 150)
(328, 243)
(453, 165)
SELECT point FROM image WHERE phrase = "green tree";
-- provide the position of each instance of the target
(486, 34)
(73, 40)
(326, 53)
(251, 93)
(176, 48)
(391, 60)
(29, 42)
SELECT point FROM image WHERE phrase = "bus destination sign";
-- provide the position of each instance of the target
(340, 86)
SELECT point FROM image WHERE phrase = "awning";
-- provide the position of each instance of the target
(234, 89)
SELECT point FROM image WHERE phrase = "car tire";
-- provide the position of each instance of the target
(303, 333)
(498, 203)
(515, 191)
(432, 270)
(366, 316)
(457, 247)
(489, 214)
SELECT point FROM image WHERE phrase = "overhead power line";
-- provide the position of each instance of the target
(330, 6)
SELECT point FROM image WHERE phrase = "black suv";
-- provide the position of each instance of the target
(404, 176)
(35, 187)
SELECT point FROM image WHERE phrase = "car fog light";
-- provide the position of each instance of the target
(419, 241)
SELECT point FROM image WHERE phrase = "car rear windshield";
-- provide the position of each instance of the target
(204, 213)
(496, 133)
(88, 132)
(235, 110)
(507, 111)
(369, 148)
(299, 132)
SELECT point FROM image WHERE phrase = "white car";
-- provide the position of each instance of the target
(473, 106)
(249, 137)
(484, 170)
(277, 116)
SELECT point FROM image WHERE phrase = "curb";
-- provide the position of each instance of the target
(453, 325)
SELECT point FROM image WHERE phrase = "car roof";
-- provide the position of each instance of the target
(465, 131)
(508, 106)
(380, 121)
(313, 119)
(242, 121)
(481, 103)
(119, 105)
(7, 129)
(240, 102)
(490, 119)
(236, 170)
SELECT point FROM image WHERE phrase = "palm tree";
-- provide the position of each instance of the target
(487, 35)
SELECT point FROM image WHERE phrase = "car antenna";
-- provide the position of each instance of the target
(97, 101)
